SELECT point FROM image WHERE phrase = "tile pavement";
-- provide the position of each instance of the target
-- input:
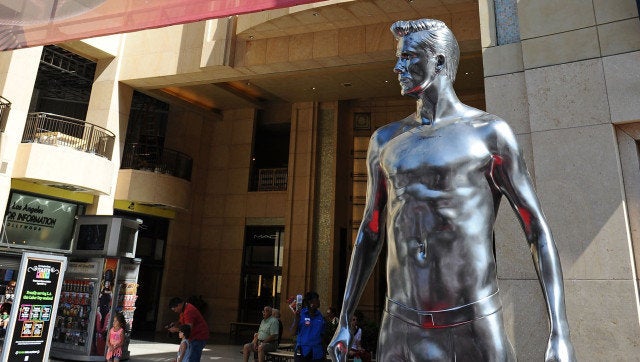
(163, 350)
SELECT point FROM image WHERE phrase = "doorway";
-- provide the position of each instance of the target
(152, 238)
(261, 271)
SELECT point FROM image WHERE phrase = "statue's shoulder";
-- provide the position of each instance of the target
(496, 131)
(389, 131)
(489, 121)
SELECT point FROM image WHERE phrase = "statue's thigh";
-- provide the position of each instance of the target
(484, 339)
(480, 340)
(402, 342)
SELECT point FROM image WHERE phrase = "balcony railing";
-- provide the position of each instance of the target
(271, 179)
(5, 106)
(139, 156)
(56, 130)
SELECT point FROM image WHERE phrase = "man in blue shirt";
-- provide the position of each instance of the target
(309, 327)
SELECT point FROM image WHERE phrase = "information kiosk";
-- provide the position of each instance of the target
(101, 280)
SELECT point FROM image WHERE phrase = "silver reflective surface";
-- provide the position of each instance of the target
(435, 181)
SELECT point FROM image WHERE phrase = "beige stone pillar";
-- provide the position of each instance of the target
(205, 244)
(18, 71)
(109, 108)
(324, 218)
(296, 272)
(560, 89)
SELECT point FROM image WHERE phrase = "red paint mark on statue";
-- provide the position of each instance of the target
(415, 89)
(374, 224)
(496, 162)
(428, 323)
(525, 215)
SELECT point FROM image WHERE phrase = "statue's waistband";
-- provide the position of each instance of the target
(446, 317)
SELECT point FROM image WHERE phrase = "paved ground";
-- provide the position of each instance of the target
(145, 351)
(165, 351)
(155, 351)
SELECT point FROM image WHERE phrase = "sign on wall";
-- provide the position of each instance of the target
(29, 332)
(34, 221)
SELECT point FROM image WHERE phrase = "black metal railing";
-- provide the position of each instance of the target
(57, 130)
(270, 179)
(5, 106)
(78, 67)
(138, 156)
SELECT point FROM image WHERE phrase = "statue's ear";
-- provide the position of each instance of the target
(439, 62)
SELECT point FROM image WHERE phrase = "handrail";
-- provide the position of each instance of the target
(139, 156)
(5, 106)
(270, 179)
(57, 130)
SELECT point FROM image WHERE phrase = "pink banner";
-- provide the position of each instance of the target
(38, 22)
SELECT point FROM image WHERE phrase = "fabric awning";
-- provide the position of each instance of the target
(39, 22)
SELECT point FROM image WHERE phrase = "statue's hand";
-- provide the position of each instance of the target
(339, 345)
(560, 349)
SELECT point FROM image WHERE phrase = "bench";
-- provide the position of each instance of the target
(279, 355)
(286, 346)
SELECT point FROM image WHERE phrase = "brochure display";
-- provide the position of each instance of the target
(128, 289)
(36, 300)
(76, 310)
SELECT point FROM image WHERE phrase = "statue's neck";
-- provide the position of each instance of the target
(439, 101)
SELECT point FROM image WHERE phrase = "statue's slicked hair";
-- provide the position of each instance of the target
(436, 37)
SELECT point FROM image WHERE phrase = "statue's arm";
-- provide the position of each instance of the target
(368, 244)
(510, 175)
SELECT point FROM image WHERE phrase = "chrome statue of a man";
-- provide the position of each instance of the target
(435, 182)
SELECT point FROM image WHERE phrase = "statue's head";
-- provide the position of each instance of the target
(435, 37)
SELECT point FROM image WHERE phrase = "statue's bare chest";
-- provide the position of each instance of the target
(440, 159)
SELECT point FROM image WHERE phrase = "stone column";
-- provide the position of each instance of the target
(109, 108)
(556, 86)
(18, 71)
(324, 219)
(297, 273)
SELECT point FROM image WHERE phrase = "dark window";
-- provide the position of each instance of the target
(270, 157)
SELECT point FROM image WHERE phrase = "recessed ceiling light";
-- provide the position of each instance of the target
(251, 36)
(316, 14)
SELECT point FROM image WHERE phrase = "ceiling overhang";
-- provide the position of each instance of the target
(362, 72)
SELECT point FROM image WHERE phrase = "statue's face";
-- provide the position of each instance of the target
(415, 66)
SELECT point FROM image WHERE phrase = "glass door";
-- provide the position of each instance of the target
(261, 271)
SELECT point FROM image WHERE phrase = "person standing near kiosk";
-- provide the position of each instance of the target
(190, 315)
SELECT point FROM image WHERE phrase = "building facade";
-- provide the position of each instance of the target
(273, 111)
